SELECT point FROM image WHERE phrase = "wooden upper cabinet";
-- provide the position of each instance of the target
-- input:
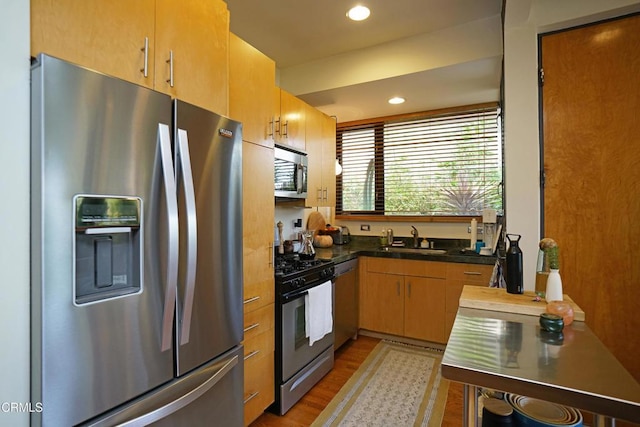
(107, 36)
(321, 147)
(290, 120)
(252, 78)
(197, 33)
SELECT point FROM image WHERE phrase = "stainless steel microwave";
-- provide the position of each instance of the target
(290, 173)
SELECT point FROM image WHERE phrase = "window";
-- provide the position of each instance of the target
(431, 165)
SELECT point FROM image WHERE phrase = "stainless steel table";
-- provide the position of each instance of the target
(509, 352)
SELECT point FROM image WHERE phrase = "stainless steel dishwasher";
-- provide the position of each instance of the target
(346, 308)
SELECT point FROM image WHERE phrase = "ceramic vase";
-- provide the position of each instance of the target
(554, 286)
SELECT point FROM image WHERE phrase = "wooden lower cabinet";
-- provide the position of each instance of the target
(423, 308)
(414, 299)
(259, 317)
(400, 304)
(258, 375)
(458, 276)
(382, 303)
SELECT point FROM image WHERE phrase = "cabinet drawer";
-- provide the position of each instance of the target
(407, 267)
(258, 295)
(477, 273)
(258, 386)
(259, 345)
(258, 321)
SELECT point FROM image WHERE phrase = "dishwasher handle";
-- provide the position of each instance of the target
(345, 267)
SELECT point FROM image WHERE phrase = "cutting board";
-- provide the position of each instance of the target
(497, 299)
(316, 222)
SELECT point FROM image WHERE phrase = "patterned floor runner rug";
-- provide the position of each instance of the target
(397, 385)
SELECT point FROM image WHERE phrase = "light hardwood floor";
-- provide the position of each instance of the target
(347, 360)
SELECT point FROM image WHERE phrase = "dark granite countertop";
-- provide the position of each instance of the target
(370, 246)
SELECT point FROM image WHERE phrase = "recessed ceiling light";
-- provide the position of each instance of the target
(358, 13)
(396, 100)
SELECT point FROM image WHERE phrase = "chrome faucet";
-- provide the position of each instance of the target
(414, 233)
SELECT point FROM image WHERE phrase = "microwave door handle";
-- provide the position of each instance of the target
(184, 160)
(166, 161)
(299, 177)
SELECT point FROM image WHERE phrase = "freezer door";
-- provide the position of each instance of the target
(209, 179)
(205, 397)
(95, 135)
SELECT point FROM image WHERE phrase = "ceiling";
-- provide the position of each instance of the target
(434, 53)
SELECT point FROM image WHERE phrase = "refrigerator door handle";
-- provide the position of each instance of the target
(192, 234)
(164, 144)
(183, 401)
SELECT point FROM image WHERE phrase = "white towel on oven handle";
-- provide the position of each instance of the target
(318, 312)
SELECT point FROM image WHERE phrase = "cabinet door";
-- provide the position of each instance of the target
(314, 148)
(382, 303)
(292, 121)
(424, 311)
(328, 160)
(258, 220)
(251, 84)
(321, 146)
(106, 36)
(197, 33)
(458, 276)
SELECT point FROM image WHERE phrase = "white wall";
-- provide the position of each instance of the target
(14, 210)
(524, 20)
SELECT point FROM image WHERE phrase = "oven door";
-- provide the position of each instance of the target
(296, 351)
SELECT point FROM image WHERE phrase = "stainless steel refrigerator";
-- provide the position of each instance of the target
(136, 255)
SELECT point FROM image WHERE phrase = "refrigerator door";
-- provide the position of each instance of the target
(205, 397)
(95, 135)
(209, 316)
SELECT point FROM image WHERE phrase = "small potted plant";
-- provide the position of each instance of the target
(554, 281)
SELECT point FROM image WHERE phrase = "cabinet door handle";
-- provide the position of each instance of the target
(325, 194)
(170, 62)
(472, 273)
(250, 327)
(270, 261)
(252, 299)
(145, 66)
(254, 394)
(277, 126)
(272, 126)
(398, 288)
(250, 355)
(285, 131)
(409, 289)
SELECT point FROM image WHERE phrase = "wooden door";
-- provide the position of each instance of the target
(197, 32)
(106, 36)
(382, 303)
(252, 77)
(424, 311)
(591, 146)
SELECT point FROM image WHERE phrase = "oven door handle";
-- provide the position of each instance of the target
(290, 297)
(294, 295)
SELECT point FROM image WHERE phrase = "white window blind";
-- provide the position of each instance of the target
(444, 165)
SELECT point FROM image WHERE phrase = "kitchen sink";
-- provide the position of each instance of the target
(420, 251)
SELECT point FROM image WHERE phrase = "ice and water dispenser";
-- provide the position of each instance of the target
(108, 247)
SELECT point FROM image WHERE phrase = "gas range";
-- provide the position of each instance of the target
(295, 274)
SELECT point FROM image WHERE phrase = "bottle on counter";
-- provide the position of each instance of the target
(514, 265)
(383, 238)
